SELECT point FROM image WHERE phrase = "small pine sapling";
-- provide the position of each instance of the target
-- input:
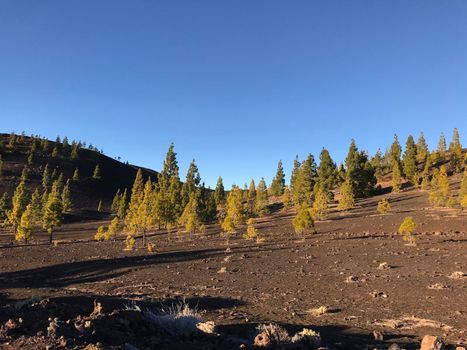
(406, 229)
(383, 206)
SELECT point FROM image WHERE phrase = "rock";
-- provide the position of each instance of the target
(97, 346)
(97, 309)
(378, 335)
(207, 327)
(431, 342)
(262, 340)
(394, 346)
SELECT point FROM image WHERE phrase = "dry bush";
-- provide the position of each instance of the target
(151, 247)
(384, 206)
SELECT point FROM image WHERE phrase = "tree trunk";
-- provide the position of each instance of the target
(144, 238)
(50, 236)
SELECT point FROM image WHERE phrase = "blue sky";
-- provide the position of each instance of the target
(237, 85)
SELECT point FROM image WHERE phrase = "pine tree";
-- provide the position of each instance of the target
(169, 197)
(36, 209)
(25, 228)
(327, 174)
(3, 207)
(406, 229)
(30, 159)
(455, 149)
(294, 175)
(55, 152)
(74, 151)
(359, 172)
(409, 160)
(463, 191)
(137, 195)
(113, 229)
(76, 175)
(278, 182)
(12, 142)
(261, 202)
(303, 221)
(100, 234)
(286, 199)
(190, 217)
(46, 179)
(24, 174)
(346, 200)
(52, 212)
(251, 198)
(396, 178)
(219, 193)
(234, 214)
(442, 146)
(66, 197)
(422, 148)
(115, 202)
(19, 203)
(395, 152)
(65, 144)
(440, 190)
(144, 219)
(122, 206)
(96, 174)
(304, 182)
(192, 181)
(426, 173)
(320, 204)
(377, 164)
(45, 145)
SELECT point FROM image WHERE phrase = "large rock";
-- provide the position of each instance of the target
(431, 342)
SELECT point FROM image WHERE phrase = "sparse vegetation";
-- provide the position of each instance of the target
(407, 228)
(383, 206)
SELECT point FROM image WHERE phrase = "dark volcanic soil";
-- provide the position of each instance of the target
(239, 283)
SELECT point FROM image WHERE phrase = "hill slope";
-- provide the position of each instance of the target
(86, 192)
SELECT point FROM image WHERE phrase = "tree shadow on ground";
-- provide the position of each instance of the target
(65, 274)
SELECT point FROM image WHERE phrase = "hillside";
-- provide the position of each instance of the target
(86, 192)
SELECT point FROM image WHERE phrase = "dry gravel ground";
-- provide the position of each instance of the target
(357, 267)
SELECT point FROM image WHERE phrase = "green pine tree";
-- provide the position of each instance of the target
(46, 179)
(192, 181)
(395, 152)
(76, 175)
(327, 174)
(25, 228)
(19, 202)
(52, 212)
(278, 182)
(377, 164)
(462, 191)
(455, 149)
(219, 193)
(66, 197)
(396, 180)
(409, 160)
(251, 199)
(3, 207)
(303, 221)
(190, 217)
(234, 212)
(261, 202)
(442, 146)
(347, 199)
(96, 174)
(422, 148)
(440, 189)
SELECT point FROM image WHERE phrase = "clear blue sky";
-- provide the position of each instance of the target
(237, 85)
